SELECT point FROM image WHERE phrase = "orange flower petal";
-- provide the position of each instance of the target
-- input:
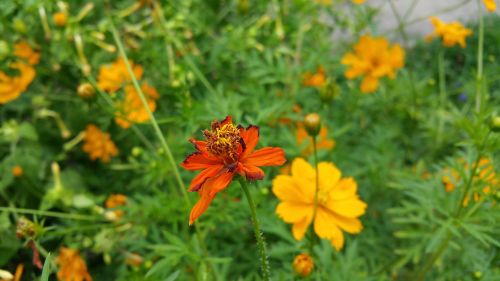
(250, 136)
(267, 156)
(199, 145)
(200, 179)
(198, 161)
(252, 172)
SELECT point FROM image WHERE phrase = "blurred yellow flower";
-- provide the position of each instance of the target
(112, 76)
(303, 265)
(490, 5)
(12, 87)
(317, 79)
(339, 206)
(323, 142)
(24, 51)
(60, 18)
(71, 266)
(131, 109)
(373, 59)
(98, 144)
(17, 171)
(359, 1)
(451, 33)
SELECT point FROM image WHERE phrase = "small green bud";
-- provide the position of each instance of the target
(495, 123)
(312, 123)
(136, 151)
(4, 49)
(19, 25)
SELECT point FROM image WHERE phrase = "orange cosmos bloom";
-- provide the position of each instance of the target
(24, 51)
(113, 201)
(17, 171)
(373, 58)
(323, 142)
(71, 266)
(112, 76)
(11, 87)
(227, 150)
(452, 33)
(490, 5)
(60, 18)
(132, 108)
(359, 2)
(317, 79)
(338, 209)
(98, 144)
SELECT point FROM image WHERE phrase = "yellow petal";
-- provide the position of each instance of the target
(300, 228)
(338, 241)
(350, 208)
(304, 177)
(369, 84)
(350, 225)
(345, 188)
(324, 224)
(329, 175)
(293, 212)
(286, 189)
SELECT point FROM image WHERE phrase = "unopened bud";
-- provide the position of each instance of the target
(495, 123)
(25, 228)
(19, 25)
(86, 91)
(4, 49)
(328, 93)
(312, 123)
(60, 19)
(303, 265)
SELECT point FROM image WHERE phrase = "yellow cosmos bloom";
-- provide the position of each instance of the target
(317, 79)
(490, 5)
(24, 51)
(71, 266)
(112, 76)
(131, 108)
(12, 87)
(98, 144)
(359, 2)
(339, 206)
(373, 58)
(451, 33)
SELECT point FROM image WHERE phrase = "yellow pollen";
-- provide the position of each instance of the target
(223, 141)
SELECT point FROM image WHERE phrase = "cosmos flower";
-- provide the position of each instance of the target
(451, 33)
(317, 79)
(227, 150)
(131, 110)
(11, 87)
(373, 58)
(491, 6)
(113, 76)
(71, 266)
(98, 144)
(24, 51)
(339, 207)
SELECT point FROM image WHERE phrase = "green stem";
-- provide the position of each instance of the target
(258, 234)
(442, 94)
(50, 214)
(430, 262)
(479, 78)
(316, 190)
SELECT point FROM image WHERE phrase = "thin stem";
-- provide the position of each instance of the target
(430, 262)
(442, 94)
(258, 234)
(50, 214)
(479, 78)
(316, 190)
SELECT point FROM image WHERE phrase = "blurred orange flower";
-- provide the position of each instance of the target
(113, 201)
(17, 171)
(490, 5)
(112, 76)
(227, 150)
(303, 265)
(338, 209)
(60, 18)
(71, 266)
(12, 87)
(317, 79)
(131, 110)
(24, 51)
(373, 58)
(323, 142)
(98, 144)
(451, 33)
(359, 1)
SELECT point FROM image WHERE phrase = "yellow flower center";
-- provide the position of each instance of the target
(323, 197)
(223, 141)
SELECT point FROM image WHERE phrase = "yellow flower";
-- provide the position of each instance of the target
(71, 266)
(98, 144)
(112, 76)
(317, 79)
(359, 2)
(131, 108)
(12, 87)
(373, 59)
(303, 265)
(323, 142)
(490, 5)
(17, 171)
(338, 209)
(24, 51)
(451, 33)
(60, 18)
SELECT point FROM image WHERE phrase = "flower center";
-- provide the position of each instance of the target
(323, 197)
(223, 141)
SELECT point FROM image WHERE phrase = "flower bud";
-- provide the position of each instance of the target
(60, 19)
(25, 228)
(328, 93)
(312, 123)
(20, 26)
(495, 123)
(4, 49)
(86, 91)
(17, 171)
(303, 265)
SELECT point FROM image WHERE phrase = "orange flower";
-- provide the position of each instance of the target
(373, 59)
(491, 6)
(227, 150)
(323, 142)
(132, 108)
(60, 18)
(317, 79)
(98, 144)
(17, 171)
(359, 2)
(71, 266)
(303, 265)
(452, 33)
(24, 51)
(12, 87)
(113, 201)
(113, 76)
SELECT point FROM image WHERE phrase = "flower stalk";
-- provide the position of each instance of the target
(258, 234)
(480, 46)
